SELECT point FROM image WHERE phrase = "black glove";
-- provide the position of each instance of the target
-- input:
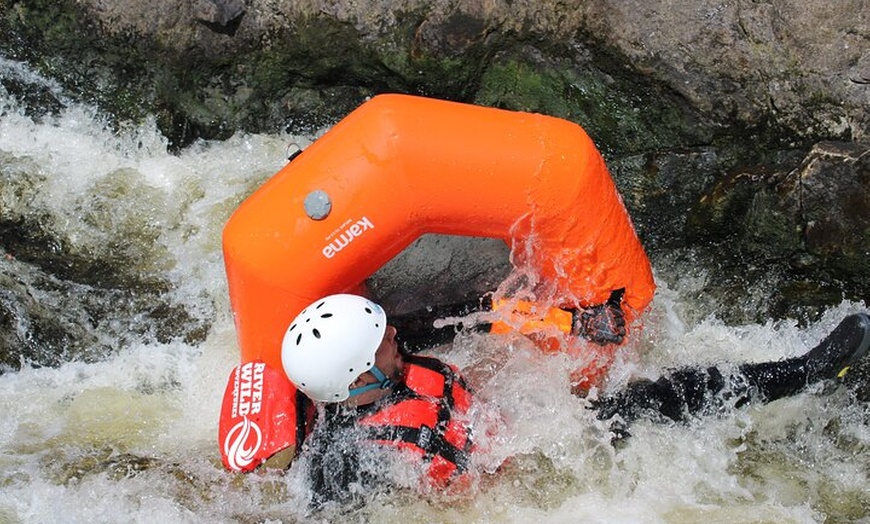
(602, 324)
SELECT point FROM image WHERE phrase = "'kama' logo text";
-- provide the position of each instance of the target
(348, 235)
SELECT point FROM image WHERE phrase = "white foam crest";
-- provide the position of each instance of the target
(223, 174)
(665, 472)
(563, 465)
(80, 394)
(105, 187)
(96, 500)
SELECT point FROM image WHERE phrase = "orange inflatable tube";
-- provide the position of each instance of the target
(400, 166)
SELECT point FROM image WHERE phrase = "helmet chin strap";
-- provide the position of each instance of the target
(382, 383)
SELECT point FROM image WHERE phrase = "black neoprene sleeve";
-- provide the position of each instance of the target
(415, 331)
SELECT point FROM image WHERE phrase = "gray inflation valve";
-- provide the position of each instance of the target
(317, 204)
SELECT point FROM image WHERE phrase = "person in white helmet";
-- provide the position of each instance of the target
(342, 353)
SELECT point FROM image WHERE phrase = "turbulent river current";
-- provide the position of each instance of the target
(117, 420)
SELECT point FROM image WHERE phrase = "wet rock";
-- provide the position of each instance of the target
(834, 203)
(752, 61)
(793, 65)
(806, 222)
(220, 12)
(816, 215)
(36, 100)
(45, 321)
(73, 469)
(428, 271)
(223, 16)
(659, 187)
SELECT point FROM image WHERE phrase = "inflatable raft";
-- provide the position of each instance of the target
(394, 169)
(400, 166)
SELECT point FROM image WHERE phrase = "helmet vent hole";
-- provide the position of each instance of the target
(316, 333)
(326, 315)
(318, 306)
(368, 364)
(369, 311)
(292, 327)
(350, 370)
(299, 339)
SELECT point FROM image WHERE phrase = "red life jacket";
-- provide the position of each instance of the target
(428, 416)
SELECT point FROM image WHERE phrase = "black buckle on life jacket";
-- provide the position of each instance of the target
(424, 437)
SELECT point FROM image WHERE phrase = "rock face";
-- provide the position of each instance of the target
(216, 65)
(804, 65)
(807, 222)
(736, 130)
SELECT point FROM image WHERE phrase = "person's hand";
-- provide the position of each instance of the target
(602, 324)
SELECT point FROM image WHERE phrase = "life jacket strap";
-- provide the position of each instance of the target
(430, 440)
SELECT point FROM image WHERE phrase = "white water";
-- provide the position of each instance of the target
(132, 438)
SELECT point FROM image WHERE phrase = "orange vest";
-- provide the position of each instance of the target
(428, 416)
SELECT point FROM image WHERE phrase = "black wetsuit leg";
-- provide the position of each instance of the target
(694, 390)
(684, 391)
(676, 395)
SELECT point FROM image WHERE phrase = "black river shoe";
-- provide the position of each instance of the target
(846, 345)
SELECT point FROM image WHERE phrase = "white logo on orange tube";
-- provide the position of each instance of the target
(242, 444)
(243, 441)
(347, 236)
(248, 393)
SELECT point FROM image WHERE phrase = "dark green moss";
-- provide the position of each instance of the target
(624, 113)
(512, 84)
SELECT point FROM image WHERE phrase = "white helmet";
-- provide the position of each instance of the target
(332, 342)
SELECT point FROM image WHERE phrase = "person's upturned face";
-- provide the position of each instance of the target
(389, 361)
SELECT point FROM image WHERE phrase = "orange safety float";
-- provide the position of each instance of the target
(400, 166)
(396, 168)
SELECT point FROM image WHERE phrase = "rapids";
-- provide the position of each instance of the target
(125, 431)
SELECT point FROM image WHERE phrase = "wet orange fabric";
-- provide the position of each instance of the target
(525, 317)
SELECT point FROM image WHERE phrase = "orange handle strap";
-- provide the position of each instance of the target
(527, 318)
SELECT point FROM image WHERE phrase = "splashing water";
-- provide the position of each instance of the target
(131, 436)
